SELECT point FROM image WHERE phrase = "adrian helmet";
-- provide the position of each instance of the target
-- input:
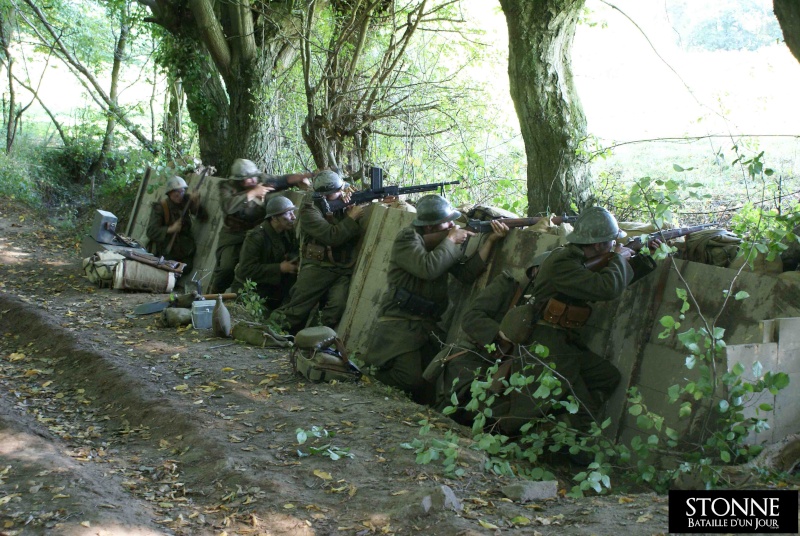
(595, 224)
(434, 209)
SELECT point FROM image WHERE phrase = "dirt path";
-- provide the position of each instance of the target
(111, 424)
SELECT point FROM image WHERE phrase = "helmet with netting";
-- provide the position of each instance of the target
(327, 182)
(242, 169)
(279, 204)
(434, 209)
(595, 224)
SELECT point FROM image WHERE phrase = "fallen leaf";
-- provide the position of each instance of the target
(644, 518)
(487, 525)
(322, 474)
(521, 520)
(182, 387)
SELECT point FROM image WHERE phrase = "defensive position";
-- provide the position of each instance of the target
(407, 336)
(327, 240)
(242, 198)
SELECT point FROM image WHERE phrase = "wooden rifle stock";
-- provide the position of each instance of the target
(480, 226)
(203, 174)
(636, 244)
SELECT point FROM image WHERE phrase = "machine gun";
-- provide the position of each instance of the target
(378, 191)
(638, 242)
(485, 226)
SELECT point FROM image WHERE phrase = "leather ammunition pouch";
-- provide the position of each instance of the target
(564, 315)
(414, 304)
(314, 252)
(238, 225)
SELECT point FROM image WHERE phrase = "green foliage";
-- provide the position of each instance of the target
(322, 446)
(253, 304)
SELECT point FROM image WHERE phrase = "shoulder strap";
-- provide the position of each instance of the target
(166, 211)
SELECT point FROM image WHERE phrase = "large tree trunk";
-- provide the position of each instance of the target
(227, 55)
(788, 14)
(550, 114)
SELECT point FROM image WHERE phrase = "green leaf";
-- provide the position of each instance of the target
(765, 407)
(725, 456)
(723, 406)
(644, 422)
(741, 295)
(677, 168)
(667, 321)
(636, 409)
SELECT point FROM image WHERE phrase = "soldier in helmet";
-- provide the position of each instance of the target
(242, 197)
(327, 240)
(269, 254)
(173, 216)
(561, 292)
(407, 336)
(456, 366)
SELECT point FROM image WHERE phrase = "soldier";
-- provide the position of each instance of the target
(242, 199)
(269, 254)
(168, 219)
(406, 337)
(326, 250)
(560, 292)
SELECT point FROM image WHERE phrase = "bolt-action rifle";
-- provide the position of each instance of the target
(638, 242)
(485, 226)
(378, 191)
(206, 171)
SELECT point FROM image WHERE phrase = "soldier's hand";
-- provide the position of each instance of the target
(458, 235)
(346, 194)
(304, 184)
(289, 267)
(355, 212)
(175, 227)
(258, 192)
(626, 253)
(654, 244)
(499, 230)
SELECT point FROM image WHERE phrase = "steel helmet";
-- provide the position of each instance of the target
(327, 182)
(242, 169)
(434, 209)
(594, 225)
(176, 183)
(279, 204)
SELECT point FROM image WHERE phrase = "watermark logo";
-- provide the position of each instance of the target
(733, 511)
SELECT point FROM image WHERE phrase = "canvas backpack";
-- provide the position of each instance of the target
(713, 246)
(319, 356)
(99, 268)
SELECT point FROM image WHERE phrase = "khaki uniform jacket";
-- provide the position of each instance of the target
(260, 260)
(184, 247)
(424, 274)
(242, 215)
(338, 235)
(564, 276)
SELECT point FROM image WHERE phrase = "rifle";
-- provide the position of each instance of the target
(378, 191)
(206, 171)
(480, 226)
(638, 242)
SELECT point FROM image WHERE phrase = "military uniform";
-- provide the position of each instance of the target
(163, 214)
(407, 337)
(563, 277)
(260, 260)
(241, 215)
(326, 264)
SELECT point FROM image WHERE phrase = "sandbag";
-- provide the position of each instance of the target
(716, 247)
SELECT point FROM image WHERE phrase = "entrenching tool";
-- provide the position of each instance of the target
(184, 300)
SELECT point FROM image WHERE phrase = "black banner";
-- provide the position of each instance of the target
(733, 511)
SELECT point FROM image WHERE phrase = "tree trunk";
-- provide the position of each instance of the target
(111, 123)
(551, 118)
(788, 14)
